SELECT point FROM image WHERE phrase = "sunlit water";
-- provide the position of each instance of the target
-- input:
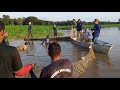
(105, 66)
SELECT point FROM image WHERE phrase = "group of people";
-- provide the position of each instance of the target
(11, 65)
(10, 61)
(85, 35)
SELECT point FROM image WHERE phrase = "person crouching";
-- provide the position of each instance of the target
(47, 41)
(23, 47)
(86, 36)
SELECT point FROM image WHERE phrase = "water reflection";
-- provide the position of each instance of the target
(96, 69)
(104, 58)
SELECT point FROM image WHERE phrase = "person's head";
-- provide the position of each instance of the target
(47, 36)
(73, 19)
(54, 25)
(86, 30)
(79, 20)
(2, 30)
(54, 50)
(29, 23)
(26, 43)
(96, 21)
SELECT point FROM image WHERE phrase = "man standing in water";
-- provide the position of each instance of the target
(30, 30)
(30, 33)
(10, 61)
(55, 30)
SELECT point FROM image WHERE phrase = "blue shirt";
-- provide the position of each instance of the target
(29, 28)
(79, 26)
(86, 35)
(96, 32)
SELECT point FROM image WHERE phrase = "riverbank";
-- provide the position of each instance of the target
(20, 31)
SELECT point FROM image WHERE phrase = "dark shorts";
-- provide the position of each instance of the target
(29, 32)
(55, 33)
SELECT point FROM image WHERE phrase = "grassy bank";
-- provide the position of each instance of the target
(20, 31)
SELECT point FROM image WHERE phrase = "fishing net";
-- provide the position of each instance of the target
(80, 65)
(91, 52)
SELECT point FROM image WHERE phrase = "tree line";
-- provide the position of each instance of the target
(35, 21)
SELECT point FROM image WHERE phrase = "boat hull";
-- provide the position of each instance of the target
(102, 47)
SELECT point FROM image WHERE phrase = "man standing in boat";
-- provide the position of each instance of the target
(96, 31)
(73, 28)
(79, 29)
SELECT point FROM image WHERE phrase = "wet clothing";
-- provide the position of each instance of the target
(79, 26)
(10, 61)
(5, 41)
(47, 41)
(58, 69)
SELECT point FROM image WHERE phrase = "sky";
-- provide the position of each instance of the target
(63, 16)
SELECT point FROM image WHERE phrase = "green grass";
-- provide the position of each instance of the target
(20, 31)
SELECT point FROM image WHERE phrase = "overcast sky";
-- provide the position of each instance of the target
(61, 16)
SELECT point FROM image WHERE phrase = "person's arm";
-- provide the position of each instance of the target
(43, 42)
(94, 28)
(31, 28)
(28, 27)
(16, 61)
(24, 70)
(81, 26)
(89, 35)
(32, 74)
(5, 40)
(17, 66)
(75, 24)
